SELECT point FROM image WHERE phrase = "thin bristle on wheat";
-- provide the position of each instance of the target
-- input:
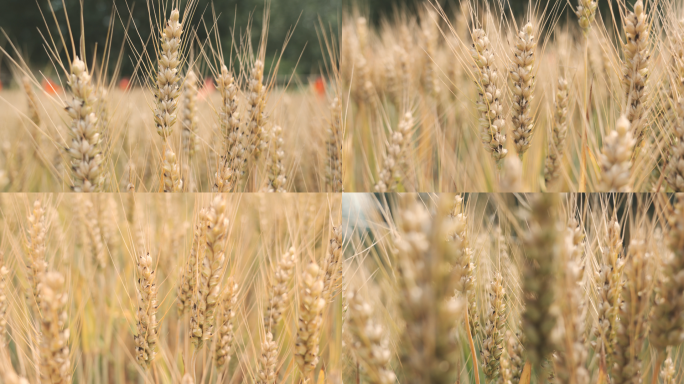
(54, 346)
(491, 122)
(636, 68)
(84, 149)
(393, 169)
(146, 315)
(277, 293)
(310, 319)
(559, 131)
(522, 79)
(369, 342)
(226, 312)
(615, 159)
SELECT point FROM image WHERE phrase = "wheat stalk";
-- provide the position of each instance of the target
(84, 149)
(54, 346)
(522, 87)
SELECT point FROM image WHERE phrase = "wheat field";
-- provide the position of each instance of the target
(474, 98)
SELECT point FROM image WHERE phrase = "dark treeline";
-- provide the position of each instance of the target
(377, 9)
(23, 23)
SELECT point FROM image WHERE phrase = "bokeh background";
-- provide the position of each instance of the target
(23, 23)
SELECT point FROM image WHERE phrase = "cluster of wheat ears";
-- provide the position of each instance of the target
(474, 98)
(493, 288)
(170, 131)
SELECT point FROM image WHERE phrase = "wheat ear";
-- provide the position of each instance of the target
(4, 303)
(167, 95)
(146, 315)
(636, 68)
(392, 172)
(368, 342)
(491, 123)
(267, 361)
(227, 175)
(84, 149)
(277, 291)
(522, 80)
(615, 159)
(211, 271)
(541, 250)
(633, 315)
(559, 131)
(464, 268)
(31, 101)
(333, 264)
(276, 169)
(586, 13)
(333, 144)
(311, 304)
(54, 346)
(226, 312)
(35, 246)
(493, 340)
(256, 115)
(188, 282)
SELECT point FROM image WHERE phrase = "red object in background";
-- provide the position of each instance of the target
(319, 87)
(0, 85)
(124, 83)
(50, 87)
(207, 88)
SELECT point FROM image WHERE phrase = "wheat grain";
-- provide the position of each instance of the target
(522, 85)
(586, 13)
(491, 123)
(84, 149)
(54, 346)
(667, 373)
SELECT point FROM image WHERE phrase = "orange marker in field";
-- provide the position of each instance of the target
(50, 87)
